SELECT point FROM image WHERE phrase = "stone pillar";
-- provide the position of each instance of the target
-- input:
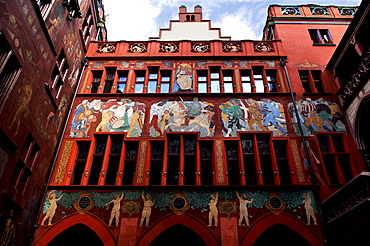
(229, 231)
(127, 232)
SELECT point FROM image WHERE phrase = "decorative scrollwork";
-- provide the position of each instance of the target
(231, 47)
(319, 11)
(347, 11)
(200, 47)
(137, 48)
(263, 47)
(290, 11)
(106, 48)
(168, 48)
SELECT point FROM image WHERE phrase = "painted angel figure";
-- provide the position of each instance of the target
(243, 209)
(53, 207)
(309, 209)
(147, 210)
(213, 211)
(116, 207)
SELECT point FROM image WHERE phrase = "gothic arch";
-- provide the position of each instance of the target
(362, 129)
(89, 220)
(287, 220)
(198, 227)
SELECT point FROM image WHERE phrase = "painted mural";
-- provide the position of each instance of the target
(317, 116)
(183, 78)
(112, 115)
(247, 206)
(185, 116)
(251, 115)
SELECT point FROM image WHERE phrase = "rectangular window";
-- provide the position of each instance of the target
(320, 36)
(9, 68)
(97, 74)
(202, 81)
(152, 80)
(87, 26)
(246, 81)
(258, 79)
(58, 75)
(139, 81)
(228, 81)
(271, 80)
(109, 78)
(311, 81)
(165, 81)
(122, 80)
(215, 80)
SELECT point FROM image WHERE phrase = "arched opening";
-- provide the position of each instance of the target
(363, 130)
(284, 221)
(78, 234)
(192, 17)
(172, 235)
(188, 17)
(185, 223)
(279, 234)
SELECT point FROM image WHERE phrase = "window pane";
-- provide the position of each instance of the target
(228, 87)
(165, 78)
(215, 75)
(202, 87)
(153, 76)
(259, 85)
(139, 88)
(247, 87)
(228, 78)
(215, 86)
(152, 86)
(122, 79)
(140, 79)
(121, 87)
(202, 78)
(165, 87)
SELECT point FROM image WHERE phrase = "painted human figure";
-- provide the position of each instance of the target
(213, 211)
(313, 160)
(9, 237)
(154, 114)
(115, 210)
(137, 117)
(53, 207)
(243, 209)
(234, 113)
(25, 95)
(165, 119)
(147, 209)
(309, 209)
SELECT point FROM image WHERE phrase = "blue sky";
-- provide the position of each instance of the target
(137, 20)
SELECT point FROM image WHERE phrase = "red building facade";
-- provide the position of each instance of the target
(43, 46)
(210, 142)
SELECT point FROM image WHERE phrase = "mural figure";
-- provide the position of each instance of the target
(188, 116)
(243, 207)
(25, 95)
(319, 115)
(9, 231)
(255, 116)
(115, 116)
(313, 160)
(213, 211)
(251, 115)
(309, 209)
(53, 207)
(147, 209)
(154, 117)
(183, 78)
(271, 114)
(116, 208)
(56, 22)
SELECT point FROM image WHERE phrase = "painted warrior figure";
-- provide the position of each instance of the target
(213, 212)
(147, 210)
(243, 209)
(53, 207)
(116, 207)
